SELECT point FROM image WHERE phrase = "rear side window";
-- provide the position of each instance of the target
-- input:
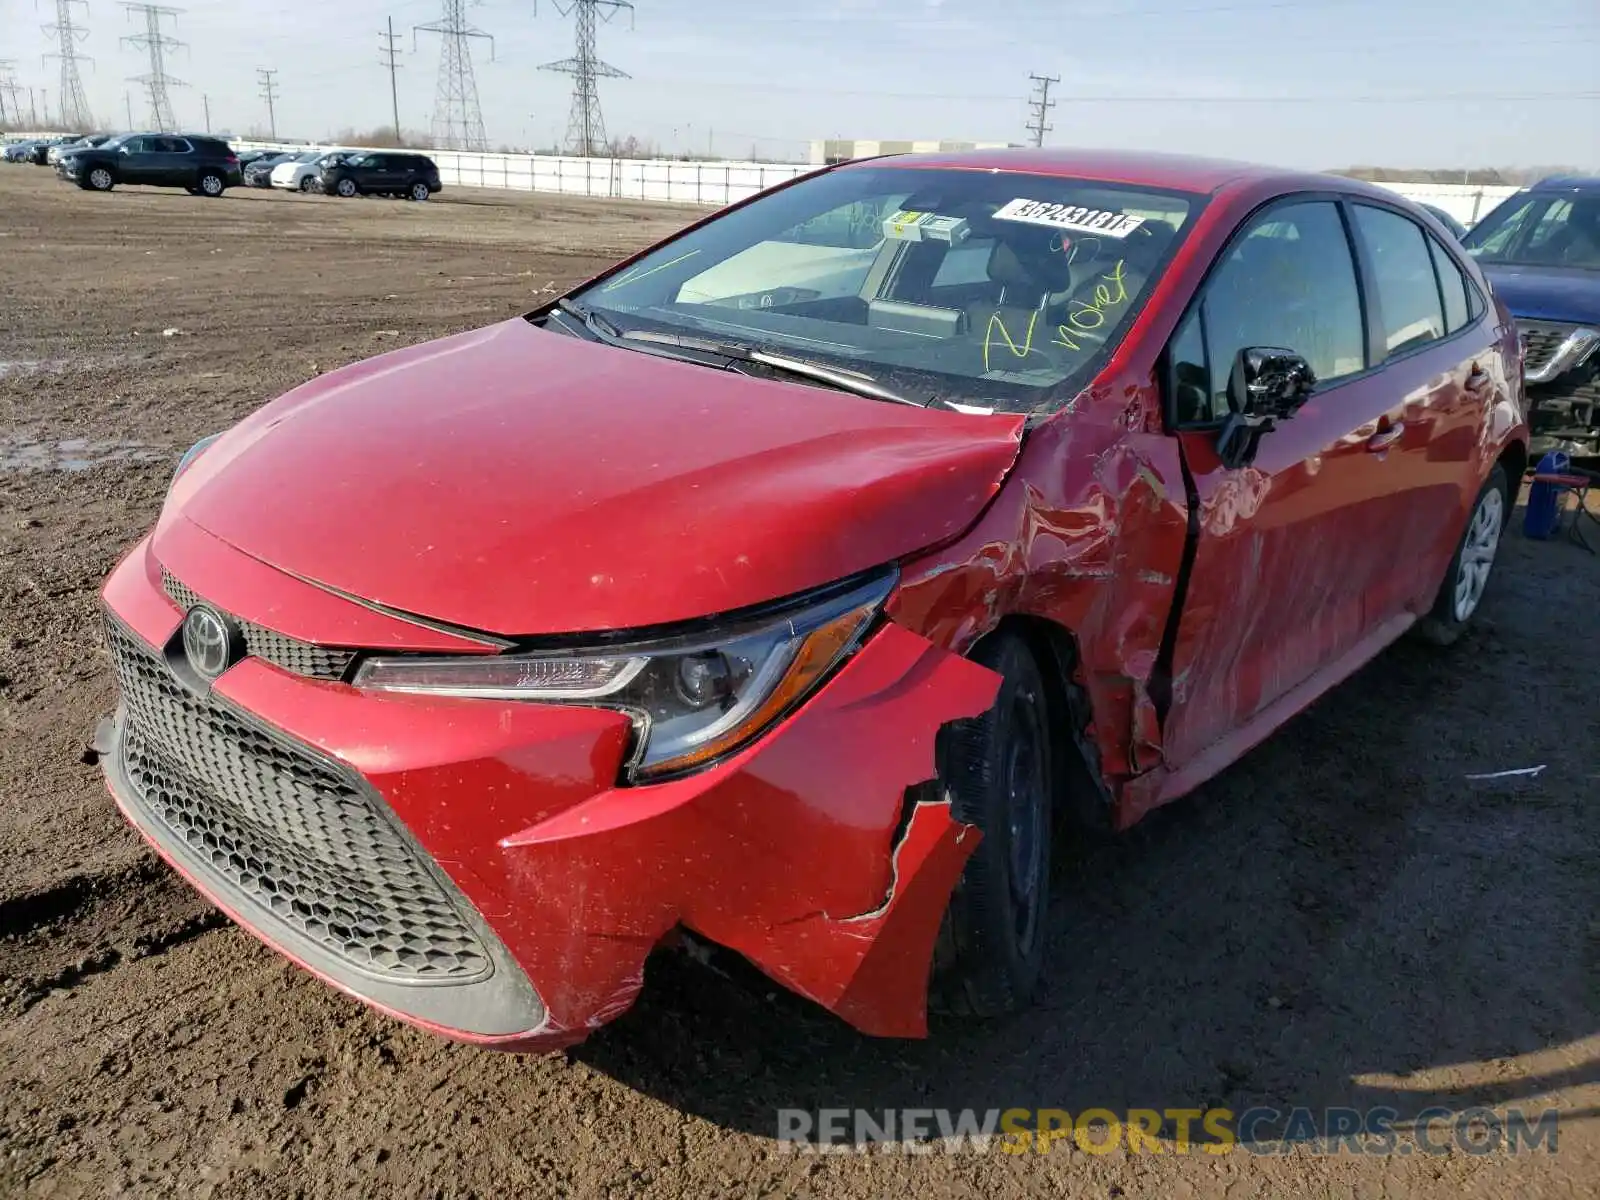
(1453, 287)
(1288, 282)
(1402, 269)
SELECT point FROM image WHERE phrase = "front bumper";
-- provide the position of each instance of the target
(813, 853)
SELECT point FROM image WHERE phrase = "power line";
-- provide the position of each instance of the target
(269, 93)
(1041, 106)
(75, 112)
(390, 58)
(157, 82)
(457, 117)
(586, 126)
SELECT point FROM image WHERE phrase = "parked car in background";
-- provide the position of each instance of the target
(791, 583)
(1445, 219)
(258, 171)
(303, 173)
(20, 152)
(381, 173)
(246, 157)
(1540, 249)
(39, 152)
(203, 166)
(53, 155)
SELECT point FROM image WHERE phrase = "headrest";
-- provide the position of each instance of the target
(1042, 271)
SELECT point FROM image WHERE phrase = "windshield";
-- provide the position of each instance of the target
(1540, 229)
(990, 288)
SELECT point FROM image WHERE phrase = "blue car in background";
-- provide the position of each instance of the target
(1541, 251)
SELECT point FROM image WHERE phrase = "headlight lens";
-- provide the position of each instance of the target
(693, 699)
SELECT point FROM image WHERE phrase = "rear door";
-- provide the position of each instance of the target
(1286, 547)
(173, 163)
(1444, 370)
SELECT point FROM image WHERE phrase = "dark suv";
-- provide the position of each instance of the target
(383, 173)
(204, 166)
(1541, 251)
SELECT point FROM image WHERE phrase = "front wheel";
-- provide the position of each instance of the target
(308, 183)
(100, 180)
(347, 188)
(998, 770)
(212, 184)
(1470, 568)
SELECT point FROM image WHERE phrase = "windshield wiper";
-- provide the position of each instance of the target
(845, 381)
(592, 321)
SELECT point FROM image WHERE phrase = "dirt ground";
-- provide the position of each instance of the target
(1343, 919)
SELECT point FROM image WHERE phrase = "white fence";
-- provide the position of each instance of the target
(719, 183)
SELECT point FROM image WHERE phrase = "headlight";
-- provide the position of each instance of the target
(693, 699)
(189, 455)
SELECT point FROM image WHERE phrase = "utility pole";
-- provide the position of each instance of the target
(457, 117)
(1041, 106)
(205, 98)
(156, 82)
(128, 98)
(33, 109)
(391, 60)
(586, 127)
(269, 93)
(75, 112)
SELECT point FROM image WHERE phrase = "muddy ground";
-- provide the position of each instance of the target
(1342, 919)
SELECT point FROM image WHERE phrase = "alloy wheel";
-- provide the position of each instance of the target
(100, 179)
(1024, 786)
(1478, 550)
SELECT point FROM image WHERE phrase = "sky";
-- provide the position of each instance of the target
(1314, 83)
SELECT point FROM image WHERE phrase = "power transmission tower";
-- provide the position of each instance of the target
(157, 81)
(390, 57)
(8, 91)
(457, 119)
(586, 127)
(75, 112)
(269, 93)
(1041, 106)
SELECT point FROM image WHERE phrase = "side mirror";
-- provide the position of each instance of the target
(1268, 384)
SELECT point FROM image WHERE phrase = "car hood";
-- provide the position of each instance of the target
(1548, 293)
(519, 481)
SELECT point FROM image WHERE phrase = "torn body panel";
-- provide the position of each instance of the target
(1091, 541)
(793, 852)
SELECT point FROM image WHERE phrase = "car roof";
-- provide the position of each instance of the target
(1139, 168)
(1568, 183)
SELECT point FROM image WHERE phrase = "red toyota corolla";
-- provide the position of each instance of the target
(794, 582)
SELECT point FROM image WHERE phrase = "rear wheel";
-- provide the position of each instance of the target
(100, 179)
(1470, 568)
(212, 184)
(998, 771)
(420, 191)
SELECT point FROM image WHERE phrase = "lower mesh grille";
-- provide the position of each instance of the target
(287, 831)
(302, 658)
(1541, 339)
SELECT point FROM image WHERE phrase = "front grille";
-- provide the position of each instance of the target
(290, 832)
(301, 658)
(1540, 341)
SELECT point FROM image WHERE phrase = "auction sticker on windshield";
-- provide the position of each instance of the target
(1069, 216)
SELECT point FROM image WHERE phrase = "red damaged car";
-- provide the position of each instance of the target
(794, 582)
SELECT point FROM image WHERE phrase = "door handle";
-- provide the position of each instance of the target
(1387, 436)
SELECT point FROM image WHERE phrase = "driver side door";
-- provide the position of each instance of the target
(1286, 546)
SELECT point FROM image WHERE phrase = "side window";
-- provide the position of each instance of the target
(1453, 284)
(141, 145)
(1408, 290)
(1194, 401)
(172, 145)
(1510, 230)
(1289, 282)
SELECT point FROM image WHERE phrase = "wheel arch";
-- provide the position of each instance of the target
(1514, 461)
(1082, 794)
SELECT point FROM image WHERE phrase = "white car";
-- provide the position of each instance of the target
(302, 173)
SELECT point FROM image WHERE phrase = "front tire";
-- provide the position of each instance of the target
(100, 179)
(998, 770)
(307, 184)
(347, 188)
(1461, 593)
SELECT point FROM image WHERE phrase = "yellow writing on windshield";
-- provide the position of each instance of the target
(996, 325)
(1087, 316)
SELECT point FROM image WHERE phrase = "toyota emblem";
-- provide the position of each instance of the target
(207, 641)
